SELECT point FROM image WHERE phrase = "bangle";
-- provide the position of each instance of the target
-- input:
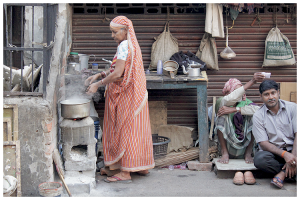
(283, 153)
(104, 74)
(102, 82)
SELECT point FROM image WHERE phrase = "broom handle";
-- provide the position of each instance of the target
(63, 180)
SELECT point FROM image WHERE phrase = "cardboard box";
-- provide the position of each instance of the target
(288, 91)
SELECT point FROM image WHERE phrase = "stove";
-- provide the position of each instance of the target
(79, 155)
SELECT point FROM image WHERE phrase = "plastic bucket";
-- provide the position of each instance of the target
(50, 189)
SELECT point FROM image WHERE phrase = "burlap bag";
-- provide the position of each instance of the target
(278, 51)
(163, 48)
(207, 52)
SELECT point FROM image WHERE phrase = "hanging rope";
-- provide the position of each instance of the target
(168, 14)
(275, 16)
(105, 18)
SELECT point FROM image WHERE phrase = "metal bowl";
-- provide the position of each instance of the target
(170, 68)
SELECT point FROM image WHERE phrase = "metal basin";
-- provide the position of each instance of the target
(75, 108)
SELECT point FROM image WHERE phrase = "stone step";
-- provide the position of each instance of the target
(234, 165)
(80, 184)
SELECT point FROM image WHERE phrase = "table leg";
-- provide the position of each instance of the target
(202, 123)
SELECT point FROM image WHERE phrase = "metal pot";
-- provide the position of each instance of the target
(75, 108)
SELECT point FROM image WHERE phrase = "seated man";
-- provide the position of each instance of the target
(275, 130)
(234, 121)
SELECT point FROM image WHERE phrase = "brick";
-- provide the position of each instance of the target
(49, 149)
(49, 126)
(196, 165)
(80, 185)
(82, 165)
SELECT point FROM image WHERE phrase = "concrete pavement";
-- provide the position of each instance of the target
(163, 182)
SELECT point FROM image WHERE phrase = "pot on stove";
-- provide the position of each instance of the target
(75, 108)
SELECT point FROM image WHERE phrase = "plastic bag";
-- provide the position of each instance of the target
(163, 48)
(278, 51)
(227, 53)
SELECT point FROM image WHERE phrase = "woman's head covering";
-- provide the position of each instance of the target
(134, 81)
(133, 45)
(230, 86)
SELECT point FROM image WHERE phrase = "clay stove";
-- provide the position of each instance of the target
(78, 138)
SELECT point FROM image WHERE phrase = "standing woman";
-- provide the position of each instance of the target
(127, 139)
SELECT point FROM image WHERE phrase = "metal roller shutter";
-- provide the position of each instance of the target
(91, 35)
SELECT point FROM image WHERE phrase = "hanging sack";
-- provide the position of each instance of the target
(207, 52)
(278, 51)
(163, 48)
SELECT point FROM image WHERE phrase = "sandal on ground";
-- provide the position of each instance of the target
(118, 180)
(143, 174)
(107, 172)
(238, 178)
(276, 181)
(103, 172)
(249, 178)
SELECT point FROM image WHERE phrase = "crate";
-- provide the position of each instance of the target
(160, 145)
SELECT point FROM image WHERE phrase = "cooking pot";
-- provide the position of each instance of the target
(75, 108)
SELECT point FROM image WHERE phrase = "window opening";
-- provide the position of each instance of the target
(27, 50)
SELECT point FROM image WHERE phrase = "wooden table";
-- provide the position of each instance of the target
(155, 81)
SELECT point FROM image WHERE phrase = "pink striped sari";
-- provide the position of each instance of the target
(127, 139)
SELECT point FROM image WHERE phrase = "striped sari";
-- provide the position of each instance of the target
(127, 139)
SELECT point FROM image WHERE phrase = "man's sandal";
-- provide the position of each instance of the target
(276, 181)
(249, 178)
(238, 178)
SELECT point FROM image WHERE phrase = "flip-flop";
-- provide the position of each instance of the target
(249, 178)
(277, 180)
(238, 178)
(118, 180)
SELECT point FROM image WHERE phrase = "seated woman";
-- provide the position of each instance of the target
(234, 120)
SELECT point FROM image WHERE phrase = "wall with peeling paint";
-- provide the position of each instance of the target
(38, 116)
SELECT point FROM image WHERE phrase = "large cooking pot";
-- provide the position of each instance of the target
(75, 108)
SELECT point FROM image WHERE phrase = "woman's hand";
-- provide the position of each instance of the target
(91, 79)
(92, 88)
